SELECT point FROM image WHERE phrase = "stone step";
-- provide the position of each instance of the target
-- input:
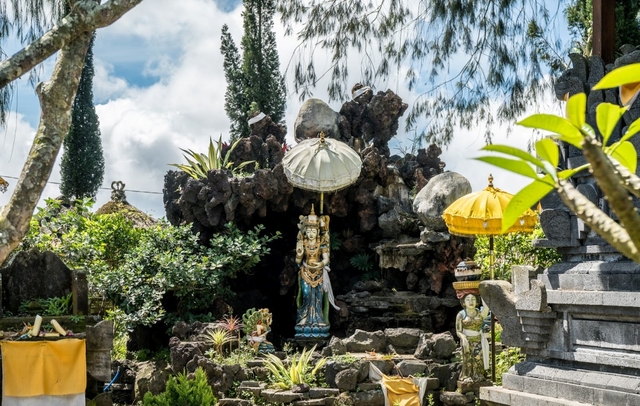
(499, 396)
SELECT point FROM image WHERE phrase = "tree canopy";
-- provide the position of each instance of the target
(473, 62)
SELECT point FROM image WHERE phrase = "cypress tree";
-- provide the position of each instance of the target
(82, 167)
(234, 99)
(257, 73)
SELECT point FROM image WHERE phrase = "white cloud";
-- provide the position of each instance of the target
(160, 86)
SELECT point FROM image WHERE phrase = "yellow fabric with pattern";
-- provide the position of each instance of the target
(34, 368)
(401, 391)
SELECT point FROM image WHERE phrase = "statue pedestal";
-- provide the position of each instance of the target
(309, 342)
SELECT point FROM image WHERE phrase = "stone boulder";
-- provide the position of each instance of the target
(409, 367)
(316, 116)
(436, 196)
(32, 275)
(439, 346)
(403, 338)
(443, 345)
(362, 341)
(182, 353)
(347, 380)
(151, 377)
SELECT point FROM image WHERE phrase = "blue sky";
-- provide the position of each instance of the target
(160, 86)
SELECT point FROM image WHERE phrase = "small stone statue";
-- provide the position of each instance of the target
(117, 192)
(261, 320)
(471, 328)
(314, 287)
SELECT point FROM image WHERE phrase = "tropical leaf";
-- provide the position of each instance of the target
(567, 173)
(620, 76)
(512, 165)
(577, 109)
(547, 149)
(524, 199)
(607, 117)
(626, 154)
(564, 128)
(517, 152)
(633, 129)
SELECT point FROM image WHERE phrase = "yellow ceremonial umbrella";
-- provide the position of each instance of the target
(480, 213)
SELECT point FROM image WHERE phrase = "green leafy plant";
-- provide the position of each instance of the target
(218, 338)
(182, 391)
(613, 165)
(335, 241)
(513, 249)
(54, 306)
(199, 164)
(238, 356)
(346, 358)
(362, 262)
(298, 371)
(232, 325)
(171, 260)
(505, 359)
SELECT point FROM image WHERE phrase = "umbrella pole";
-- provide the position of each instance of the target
(493, 319)
(321, 202)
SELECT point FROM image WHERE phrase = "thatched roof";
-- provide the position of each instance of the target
(132, 213)
(119, 204)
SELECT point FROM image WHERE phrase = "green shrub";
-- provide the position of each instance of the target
(513, 249)
(199, 164)
(183, 392)
(505, 359)
(136, 268)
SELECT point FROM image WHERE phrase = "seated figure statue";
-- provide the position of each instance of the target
(259, 323)
(471, 329)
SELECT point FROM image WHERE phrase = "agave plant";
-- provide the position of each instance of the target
(231, 324)
(199, 164)
(298, 371)
(218, 338)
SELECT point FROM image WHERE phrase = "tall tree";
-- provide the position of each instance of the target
(260, 77)
(234, 98)
(488, 60)
(82, 166)
(71, 37)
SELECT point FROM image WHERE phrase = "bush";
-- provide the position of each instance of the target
(137, 268)
(513, 249)
(171, 260)
(183, 392)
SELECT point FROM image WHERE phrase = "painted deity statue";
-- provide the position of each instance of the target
(314, 286)
(471, 329)
(259, 322)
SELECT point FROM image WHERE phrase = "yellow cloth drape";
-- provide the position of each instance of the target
(401, 391)
(34, 368)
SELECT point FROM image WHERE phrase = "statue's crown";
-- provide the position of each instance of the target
(312, 220)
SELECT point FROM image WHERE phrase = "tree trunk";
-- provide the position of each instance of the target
(72, 37)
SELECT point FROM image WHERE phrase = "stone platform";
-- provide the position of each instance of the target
(531, 383)
(579, 325)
